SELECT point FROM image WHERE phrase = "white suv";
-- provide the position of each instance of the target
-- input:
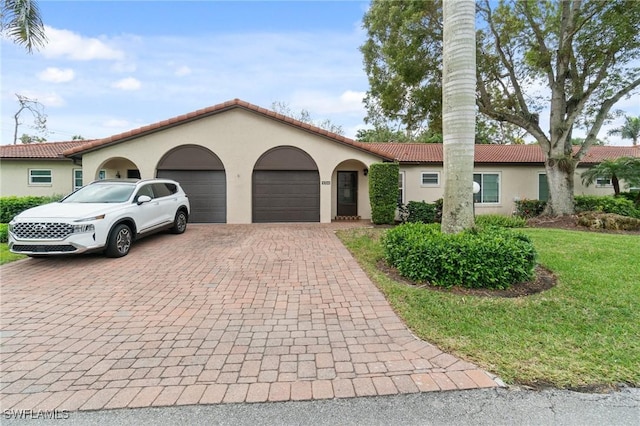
(104, 215)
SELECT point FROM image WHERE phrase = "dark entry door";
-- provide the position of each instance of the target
(347, 193)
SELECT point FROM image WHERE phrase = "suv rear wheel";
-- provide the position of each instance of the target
(120, 241)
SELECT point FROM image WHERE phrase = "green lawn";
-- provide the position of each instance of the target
(6, 256)
(584, 332)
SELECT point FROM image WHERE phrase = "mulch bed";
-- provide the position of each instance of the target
(544, 278)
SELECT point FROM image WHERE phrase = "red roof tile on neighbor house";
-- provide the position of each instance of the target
(45, 150)
(433, 153)
(201, 113)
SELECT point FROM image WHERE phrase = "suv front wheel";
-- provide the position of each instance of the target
(180, 222)
(120, 241)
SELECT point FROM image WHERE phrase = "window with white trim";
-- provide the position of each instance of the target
(40, 177)
(603, 181)
(430, 179)
(401, 188)
(489, 188)
(77, 179)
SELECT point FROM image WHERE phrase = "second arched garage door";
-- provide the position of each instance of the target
(286, 187)
(202, 176)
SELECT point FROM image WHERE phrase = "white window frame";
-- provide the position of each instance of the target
(430, 185)
(483, 203)
(402, 187)
(606, 184)
(31, 176)
(75, 178)
(102, 174)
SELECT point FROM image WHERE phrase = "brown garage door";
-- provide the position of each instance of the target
(201, 174)
(206, 190)
(286, 196)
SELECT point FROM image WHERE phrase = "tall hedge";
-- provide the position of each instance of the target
(383, 192)
(11, 206)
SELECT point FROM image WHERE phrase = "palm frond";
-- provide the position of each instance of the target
(21, 21)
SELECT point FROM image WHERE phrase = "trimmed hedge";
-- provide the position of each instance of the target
(11, 206)
(383, 192)
(529, 208)
(4, 232)
(421, 211)
(606, 204)
(478, 258)
(500, 221)
(620, 205)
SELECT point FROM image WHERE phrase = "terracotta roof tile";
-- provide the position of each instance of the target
(433, 153)
(201, 113)
(402, 152)
(46, 150)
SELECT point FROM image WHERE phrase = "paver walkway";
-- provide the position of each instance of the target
(220, 314)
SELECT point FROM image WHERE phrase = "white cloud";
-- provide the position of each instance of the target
(57, 75)
(182, 71)
(318, 102)
(70, 45)
(128, 83)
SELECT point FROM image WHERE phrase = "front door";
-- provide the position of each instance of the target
(347, 193)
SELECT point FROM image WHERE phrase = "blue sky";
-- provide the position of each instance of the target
(113, 66)
(117, 65)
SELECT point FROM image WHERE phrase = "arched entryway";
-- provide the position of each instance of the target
(202, 176)
(117, 168)
(286, 187)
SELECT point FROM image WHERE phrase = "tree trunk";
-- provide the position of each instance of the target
(616, 185)
(458, 113)
(560, 181)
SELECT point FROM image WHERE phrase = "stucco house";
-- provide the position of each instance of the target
(240, 163)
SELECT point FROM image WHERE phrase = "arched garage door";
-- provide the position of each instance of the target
(286, 187)
(201, 174)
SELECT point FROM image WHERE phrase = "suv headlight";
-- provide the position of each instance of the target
(81, 227)
(87, 227)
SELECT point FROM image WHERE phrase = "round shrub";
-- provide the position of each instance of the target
(490, 257)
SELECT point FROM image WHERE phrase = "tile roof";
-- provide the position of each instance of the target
(45, 150)
(521, 154)
(215, 109)
(402, 152)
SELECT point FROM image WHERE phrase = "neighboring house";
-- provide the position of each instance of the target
(240, 163)
(39, 169)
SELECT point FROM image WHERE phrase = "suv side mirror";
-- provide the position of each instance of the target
(143, 199)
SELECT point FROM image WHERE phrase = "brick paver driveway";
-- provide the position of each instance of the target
(223, 313)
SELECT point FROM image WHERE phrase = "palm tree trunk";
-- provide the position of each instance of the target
(459, 113)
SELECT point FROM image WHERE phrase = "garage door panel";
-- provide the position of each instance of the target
(206, 190)
(286, 196)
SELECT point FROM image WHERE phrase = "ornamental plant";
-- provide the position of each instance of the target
(488, 257)
(383, 192)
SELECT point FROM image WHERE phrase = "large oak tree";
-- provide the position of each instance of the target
(576, 59)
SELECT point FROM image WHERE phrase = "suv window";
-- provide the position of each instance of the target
(164, 189)
(145, 190)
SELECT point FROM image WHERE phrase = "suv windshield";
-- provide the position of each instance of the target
(101, 193)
